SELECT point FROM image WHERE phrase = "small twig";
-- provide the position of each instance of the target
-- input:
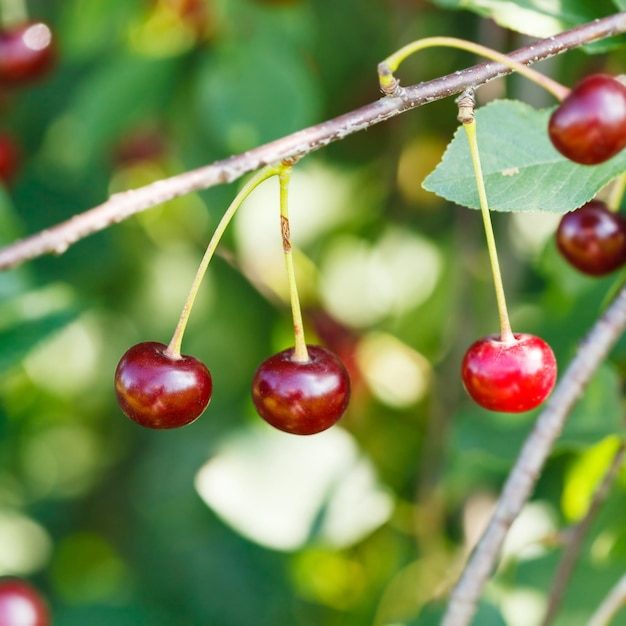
(536, 450)
(57, 239)
(613, 602)
(576, 536)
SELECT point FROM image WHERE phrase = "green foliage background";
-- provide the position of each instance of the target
(106, 518)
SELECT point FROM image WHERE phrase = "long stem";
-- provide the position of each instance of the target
(386, 68)
(173, 349)
(300, 353)
(506, 334)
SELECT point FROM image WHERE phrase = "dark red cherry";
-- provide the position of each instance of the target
(302, 398)
(511, 377)
(21, 604)
(10, 158)
(26, 53)
(593, 239)
(589, 126)
(158, 391)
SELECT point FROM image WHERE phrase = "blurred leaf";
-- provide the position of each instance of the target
(598, 414)
(535, 17)
(522, 170)
(255, 91)
(486, 615)
(90, 28)
(284, 491)
(112, 98)
(19, 339)
(584, 476)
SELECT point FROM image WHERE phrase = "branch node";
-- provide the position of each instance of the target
(466, 103)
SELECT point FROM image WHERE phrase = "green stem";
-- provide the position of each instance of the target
(174, 347)
(386, 68)
(300, 353)
(506, 334)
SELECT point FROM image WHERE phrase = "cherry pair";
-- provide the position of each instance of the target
(303, 390)
(159, 391)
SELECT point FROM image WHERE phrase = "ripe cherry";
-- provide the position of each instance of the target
(509, 376)
(301, 397)
(159, 391)
(21, 604)
(26, 53)
(10, 157)
(589, 126)
(593, 239)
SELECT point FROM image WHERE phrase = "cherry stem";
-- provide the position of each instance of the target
(466, 102)
(300, 352)
(390, 85)
(14, 12)
(173, 350)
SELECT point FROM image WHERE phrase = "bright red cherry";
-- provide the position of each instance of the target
(158, 391)
(21, 604)
(511, 377)
(589, 126)
(593, 239)
(10, 157)
(26, 53)
(301, 397)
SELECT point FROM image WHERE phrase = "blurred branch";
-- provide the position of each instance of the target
(536, 450)
(57, 239)
(611, 605)
(577, 535)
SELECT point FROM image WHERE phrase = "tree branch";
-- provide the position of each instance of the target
(521, 481)
(57, 239)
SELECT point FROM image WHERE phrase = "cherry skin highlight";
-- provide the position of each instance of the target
(593, 239)
(21, 604)
(511, 377)
(27, 53)
(158, 391)
(302, 398)
(589, 126)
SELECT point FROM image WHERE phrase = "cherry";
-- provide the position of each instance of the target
(593, 239)
(509, 376)
(589, 126)
(301, 397)
(10, 157)
(21, 604)
(159, 391)
(26, 53)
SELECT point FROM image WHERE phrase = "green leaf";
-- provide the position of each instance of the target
(522, 170)
(535, 17)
